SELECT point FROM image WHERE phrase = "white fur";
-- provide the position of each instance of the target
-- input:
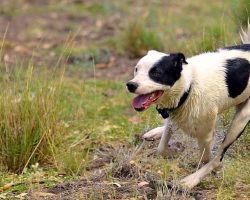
(166, 135)
(205, 73)
(154, 134)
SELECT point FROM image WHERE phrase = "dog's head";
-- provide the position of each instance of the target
(153, 75)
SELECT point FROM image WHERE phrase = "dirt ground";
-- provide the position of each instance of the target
(130, 177)
(36, 33)
(130, 180)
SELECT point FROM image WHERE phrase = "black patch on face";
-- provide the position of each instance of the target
(226, 148)
(237, 75)
(167, 70)
(242, 47)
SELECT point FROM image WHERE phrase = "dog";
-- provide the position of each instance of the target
(190, 94)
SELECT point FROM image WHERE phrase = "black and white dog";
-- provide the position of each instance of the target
(190, 93)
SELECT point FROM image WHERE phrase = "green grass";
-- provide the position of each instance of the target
(213, 38)
(29, 121)
(86, 122)
(37, 112)
(137, 39)
(241, 11)
(62, 121)
(70, 117)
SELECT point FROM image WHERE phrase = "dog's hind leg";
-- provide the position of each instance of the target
(240, 120)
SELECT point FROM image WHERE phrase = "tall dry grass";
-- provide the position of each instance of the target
(30, 124)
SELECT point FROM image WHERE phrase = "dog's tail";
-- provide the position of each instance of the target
(245, 35)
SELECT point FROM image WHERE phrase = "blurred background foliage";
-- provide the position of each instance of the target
(63, 101)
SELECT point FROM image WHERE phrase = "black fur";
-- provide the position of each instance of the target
(168, 70)
(237, 75)
(242, 47)
(164, 112)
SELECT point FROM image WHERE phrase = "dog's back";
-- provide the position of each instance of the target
(222, 77)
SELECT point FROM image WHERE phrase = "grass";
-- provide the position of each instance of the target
(213, 38)
(241, 11)
(37, 112)
(66, 122)
(88, 122)
(137, 39)
(29, 122)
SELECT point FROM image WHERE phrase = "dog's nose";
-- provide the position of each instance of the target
(132, 86)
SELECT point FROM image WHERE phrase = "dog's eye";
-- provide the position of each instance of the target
(136, 69)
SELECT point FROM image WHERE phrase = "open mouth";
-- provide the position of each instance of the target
(143, 101)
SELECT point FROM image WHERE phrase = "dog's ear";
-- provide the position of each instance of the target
(179, 58)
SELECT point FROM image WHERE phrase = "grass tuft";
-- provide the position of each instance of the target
(137, 39)
(213, 38)
(241, 12)
(29, 122)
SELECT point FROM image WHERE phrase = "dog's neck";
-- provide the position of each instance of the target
(172, 96)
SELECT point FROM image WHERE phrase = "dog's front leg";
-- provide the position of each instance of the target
(163, 133)
(163, 147)
(154, 134)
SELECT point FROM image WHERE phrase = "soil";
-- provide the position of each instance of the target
(129, 181)
(114, 175)
(37, 35)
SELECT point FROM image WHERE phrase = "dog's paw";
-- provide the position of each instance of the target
(154, 134)
(190, 181)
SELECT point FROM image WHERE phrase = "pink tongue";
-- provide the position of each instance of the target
(141, 100)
